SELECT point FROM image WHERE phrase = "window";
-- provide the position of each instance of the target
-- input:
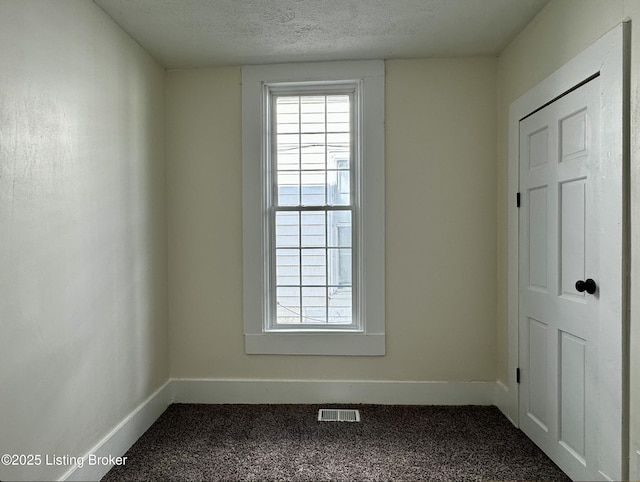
(310, 219)
(313, 208)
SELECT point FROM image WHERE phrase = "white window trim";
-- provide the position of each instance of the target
(370, 340)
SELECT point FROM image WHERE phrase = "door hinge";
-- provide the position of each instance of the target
(517, 199)
(517, 375)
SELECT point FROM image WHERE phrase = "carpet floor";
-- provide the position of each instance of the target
(191, 442)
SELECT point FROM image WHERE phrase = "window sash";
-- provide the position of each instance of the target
(273, 93)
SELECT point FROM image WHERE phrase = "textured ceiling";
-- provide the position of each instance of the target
(203, 33)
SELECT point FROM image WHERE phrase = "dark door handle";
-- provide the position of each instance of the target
(587, 285)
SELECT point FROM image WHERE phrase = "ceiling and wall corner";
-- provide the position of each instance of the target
(195, 34)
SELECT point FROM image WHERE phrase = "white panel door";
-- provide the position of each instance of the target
(560, 319)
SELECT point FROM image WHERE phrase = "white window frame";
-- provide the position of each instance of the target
(352, 89)
(367, 337)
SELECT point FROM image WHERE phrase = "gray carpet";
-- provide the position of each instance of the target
(286, 442)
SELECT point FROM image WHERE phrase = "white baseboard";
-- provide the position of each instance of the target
(506, 401)
(122, 437)
(324, 391)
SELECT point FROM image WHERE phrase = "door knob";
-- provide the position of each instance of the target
(587, 285)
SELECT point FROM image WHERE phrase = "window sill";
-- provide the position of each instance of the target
(337, 344)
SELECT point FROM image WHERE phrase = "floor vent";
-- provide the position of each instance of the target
(336, 415)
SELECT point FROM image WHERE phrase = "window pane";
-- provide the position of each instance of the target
(339, 229)
(313, 188)
(287, 104)
(313, 228)
(338, 122)
(287, 114)
(314, 267)
(313, 149)
(288, 159)
(287, 229)
(340, 309)
(338, 113)
(312, 117)
(338, 103)
(314, 305)
(339, 160)
(288, 188)
(288, 305)
(339, 140)
(288, 124)
(287, 120)
(338, 188)
(287, 141)
(340, 266)
(312, 104)
(287, 267)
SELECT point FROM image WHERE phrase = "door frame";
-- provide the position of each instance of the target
(608, 58)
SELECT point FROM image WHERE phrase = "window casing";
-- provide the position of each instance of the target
(313, 208)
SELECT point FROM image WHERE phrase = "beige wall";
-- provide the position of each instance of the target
(83, 318)
(558, 33)
(440, 236)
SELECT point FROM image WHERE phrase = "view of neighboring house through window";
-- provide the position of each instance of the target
(313, 209)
